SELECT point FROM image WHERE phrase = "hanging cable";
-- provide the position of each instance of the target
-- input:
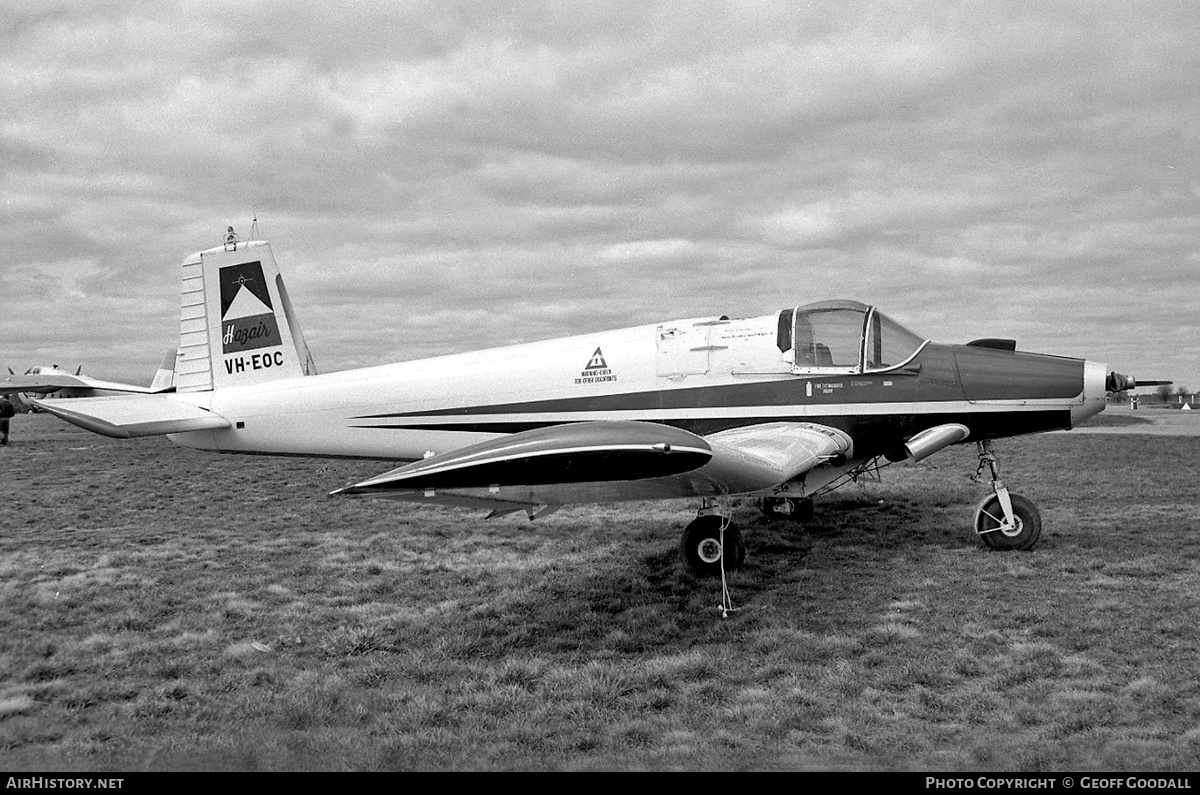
(726, 607)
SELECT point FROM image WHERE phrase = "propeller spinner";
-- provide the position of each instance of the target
(1117, 382)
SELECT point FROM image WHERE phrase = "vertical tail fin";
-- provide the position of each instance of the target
(237, 326)
(164, 378)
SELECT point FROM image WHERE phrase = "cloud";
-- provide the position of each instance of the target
(441, 176)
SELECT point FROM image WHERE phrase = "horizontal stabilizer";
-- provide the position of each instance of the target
(127, 416)
(585, 452)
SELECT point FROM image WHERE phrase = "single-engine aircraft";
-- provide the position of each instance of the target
(784, 406)
(51, 381)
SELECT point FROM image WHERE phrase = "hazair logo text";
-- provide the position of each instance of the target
(247, 315)
(243, 335)
(596, 370)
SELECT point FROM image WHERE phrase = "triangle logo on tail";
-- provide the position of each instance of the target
(247, 315)
(244, 285)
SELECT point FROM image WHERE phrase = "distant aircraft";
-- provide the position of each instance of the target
(56, 383)
(785, 406)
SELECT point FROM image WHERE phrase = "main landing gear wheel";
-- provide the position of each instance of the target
(701, 546)
(1026, 529)
(788, 508)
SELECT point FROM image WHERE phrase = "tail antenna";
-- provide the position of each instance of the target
(254, 227)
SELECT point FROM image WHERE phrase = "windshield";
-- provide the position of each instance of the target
(888, 343)
(848, 337)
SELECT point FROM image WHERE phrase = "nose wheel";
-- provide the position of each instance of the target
(1022, 532)
(1002, 519)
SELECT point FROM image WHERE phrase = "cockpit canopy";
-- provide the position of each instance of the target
(844, 337)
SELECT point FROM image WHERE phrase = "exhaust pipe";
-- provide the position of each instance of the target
(930, 440)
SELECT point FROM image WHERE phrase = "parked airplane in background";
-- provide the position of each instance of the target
(787, 406)
(53, 382)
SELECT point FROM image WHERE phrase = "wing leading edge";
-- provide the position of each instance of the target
(610, 461)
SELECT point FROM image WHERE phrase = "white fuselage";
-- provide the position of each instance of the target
(324, 414)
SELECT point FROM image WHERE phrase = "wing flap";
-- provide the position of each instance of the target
(128, 416)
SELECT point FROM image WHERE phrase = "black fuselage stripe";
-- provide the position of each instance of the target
(872, 432)
(938, 382)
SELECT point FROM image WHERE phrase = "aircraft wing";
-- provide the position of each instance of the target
(46, 383)
(575, 452)
(609, 460)
(39, 384)
(127, 416)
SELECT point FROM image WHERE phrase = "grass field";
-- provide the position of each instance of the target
(168, 609)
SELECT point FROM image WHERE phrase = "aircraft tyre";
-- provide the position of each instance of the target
(701, 546)
(787, 508)
(989, 516)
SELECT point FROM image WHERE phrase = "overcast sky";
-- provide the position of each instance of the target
(438, 177)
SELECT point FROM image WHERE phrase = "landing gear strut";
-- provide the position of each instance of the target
(1004, 520)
